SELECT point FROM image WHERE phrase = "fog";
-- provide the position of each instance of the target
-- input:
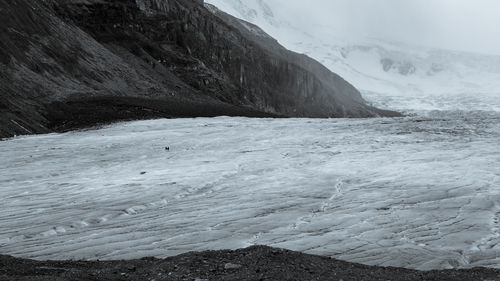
(468, 25)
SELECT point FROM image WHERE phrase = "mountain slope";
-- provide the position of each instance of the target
(72, 63)
(389, 74)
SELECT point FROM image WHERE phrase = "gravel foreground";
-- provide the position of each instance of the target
(254, 263)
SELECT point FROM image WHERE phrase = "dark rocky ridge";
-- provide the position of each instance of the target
(72, 63)
(254, 263)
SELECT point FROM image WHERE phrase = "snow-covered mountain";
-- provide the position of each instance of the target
(390, 74)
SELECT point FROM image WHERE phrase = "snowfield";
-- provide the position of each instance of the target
(419, 192)
(426, 77)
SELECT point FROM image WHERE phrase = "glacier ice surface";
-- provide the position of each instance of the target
(419, 192)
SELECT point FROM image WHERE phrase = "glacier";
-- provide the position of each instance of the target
(418, 192)
(421, 191)
(390, 74)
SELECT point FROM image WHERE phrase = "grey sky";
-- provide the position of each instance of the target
(471, 25)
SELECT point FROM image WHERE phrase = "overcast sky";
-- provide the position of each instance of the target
(471, 25)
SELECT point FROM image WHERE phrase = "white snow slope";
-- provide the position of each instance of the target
(389, 74)
(414, 192)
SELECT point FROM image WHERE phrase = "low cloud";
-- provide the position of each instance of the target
(470, 25)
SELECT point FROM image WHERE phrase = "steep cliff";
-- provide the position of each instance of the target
(72, 63)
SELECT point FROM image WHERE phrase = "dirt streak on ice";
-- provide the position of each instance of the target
(414, 192)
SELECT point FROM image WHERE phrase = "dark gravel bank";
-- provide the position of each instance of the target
(254, 263)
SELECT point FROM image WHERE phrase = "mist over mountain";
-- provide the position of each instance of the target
(461, 25)
(406, 56)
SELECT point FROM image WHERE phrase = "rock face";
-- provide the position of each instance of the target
(73, 63)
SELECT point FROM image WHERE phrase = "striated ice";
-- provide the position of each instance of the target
(419, 192)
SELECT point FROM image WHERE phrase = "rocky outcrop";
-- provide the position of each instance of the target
(71, 63)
